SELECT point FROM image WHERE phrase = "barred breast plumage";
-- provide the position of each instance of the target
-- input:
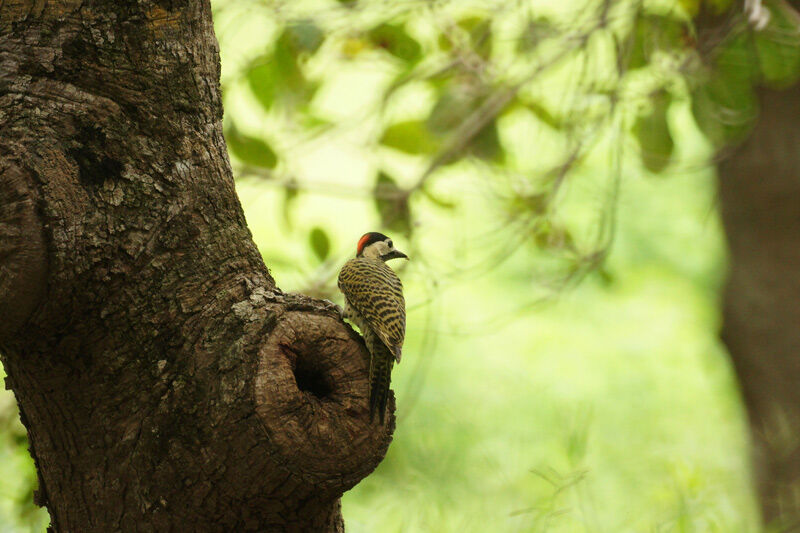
(374, 302)
(375, 291)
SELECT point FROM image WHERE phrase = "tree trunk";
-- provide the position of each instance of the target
(165, 382)
(760, 196)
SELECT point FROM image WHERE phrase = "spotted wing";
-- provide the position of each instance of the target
(375, 291)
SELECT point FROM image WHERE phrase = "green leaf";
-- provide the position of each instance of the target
(705, 8)
(480, 34)
(451, 110)
(486, 144)
(652, 132)
(395, 40)
(320, 243)
(725, 105)
(392, 204)
(411, 137)
(653, 33)
(262, 81)
(737, 61)
(277, 77)
(250, 150)
(305, 36)
(289, 197)
(535, 32)
(778, 48)
(724, 112)
(535, 203)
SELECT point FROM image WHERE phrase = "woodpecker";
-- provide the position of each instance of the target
(373, 296)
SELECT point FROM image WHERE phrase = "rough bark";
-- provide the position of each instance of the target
(760, 196)
(165, 381)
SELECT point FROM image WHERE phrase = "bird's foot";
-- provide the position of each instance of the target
(339, 309)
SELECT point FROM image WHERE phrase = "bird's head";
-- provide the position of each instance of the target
(379, 246)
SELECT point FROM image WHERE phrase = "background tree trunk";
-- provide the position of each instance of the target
(760, 195)
(165, 382)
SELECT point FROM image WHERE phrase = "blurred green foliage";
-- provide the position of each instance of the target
(451, 81)
(510, 149)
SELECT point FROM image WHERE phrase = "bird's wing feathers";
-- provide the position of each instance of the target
(376, 292)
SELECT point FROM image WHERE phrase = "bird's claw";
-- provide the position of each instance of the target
(339, 308)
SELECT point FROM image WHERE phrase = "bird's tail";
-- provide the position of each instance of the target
(380, 377)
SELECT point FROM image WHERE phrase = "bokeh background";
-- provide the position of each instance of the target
(549, 167)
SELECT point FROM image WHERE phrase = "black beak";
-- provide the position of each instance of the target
(394, 254)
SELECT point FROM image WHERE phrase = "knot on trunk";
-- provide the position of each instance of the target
(312, 396)
(23, 257)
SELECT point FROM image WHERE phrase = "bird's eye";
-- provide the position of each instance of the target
(390, 243)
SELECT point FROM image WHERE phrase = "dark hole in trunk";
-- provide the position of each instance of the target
(308, 375)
